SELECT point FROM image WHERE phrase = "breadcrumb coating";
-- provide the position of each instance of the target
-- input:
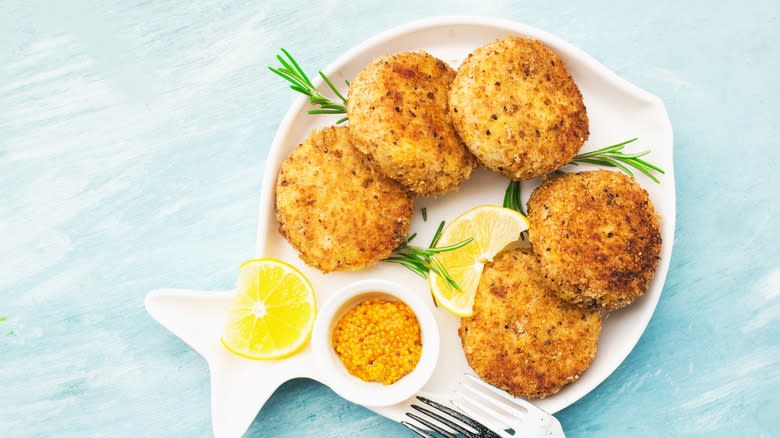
(397, 110)
(597, 237)
(335, 208)
(517, 108)
(522, 337)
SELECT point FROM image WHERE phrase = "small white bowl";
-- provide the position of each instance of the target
(353, 388)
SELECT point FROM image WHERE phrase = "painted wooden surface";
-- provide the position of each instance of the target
(132, 140)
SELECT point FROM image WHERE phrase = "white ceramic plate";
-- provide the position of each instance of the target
(617, 111)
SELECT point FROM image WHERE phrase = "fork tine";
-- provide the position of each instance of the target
(502, 410)
(518, 401)
(416, 429)
(451, 412)
(449, 423)
(430, 425)
(479, 411)
(481, 429)
(478, 416)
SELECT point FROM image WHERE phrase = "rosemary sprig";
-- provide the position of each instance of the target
(610, 156)
(421, 261)
(512, 197)
(512, 201)
(424, 212)
(613, 156)
(294, 74)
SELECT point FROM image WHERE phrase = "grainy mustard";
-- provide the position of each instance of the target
(378, 340)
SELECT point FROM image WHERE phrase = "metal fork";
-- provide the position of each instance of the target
(482, 403)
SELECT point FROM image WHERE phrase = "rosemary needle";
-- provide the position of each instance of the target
(437, 234)
(300, 82)
(512, 197)
(512, 201)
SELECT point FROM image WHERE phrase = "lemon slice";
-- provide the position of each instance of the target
(493, 228)
(273, 312)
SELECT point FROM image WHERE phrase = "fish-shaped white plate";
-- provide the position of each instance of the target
(617, 111)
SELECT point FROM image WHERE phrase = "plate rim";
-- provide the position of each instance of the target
(513, 27)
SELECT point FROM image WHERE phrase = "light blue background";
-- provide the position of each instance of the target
(132, 142)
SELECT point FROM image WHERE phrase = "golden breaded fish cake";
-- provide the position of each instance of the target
(335, 208)
(517, 108)
(597, 237)
(522, 337)
(397, 108)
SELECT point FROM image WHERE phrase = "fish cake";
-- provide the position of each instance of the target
(597, 237)
(517, 108)
(522, 338)
(397, 109)
(335, 208)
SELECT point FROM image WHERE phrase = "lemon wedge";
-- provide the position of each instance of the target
(273, 312)
(493, 228)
